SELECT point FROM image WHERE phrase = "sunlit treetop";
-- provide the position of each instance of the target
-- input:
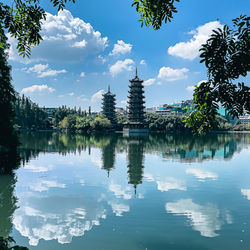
(155, 12)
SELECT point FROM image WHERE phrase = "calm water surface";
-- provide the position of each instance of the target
(110, 192)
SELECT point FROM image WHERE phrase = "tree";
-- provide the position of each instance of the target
(100, 123)
(8, 135)
(154, 12)
(227, 57)
(22, 20)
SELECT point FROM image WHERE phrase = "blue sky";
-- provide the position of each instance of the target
(95, 43)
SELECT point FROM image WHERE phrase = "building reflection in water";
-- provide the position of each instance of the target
(70, 215)
(108, 155)
(135, 160)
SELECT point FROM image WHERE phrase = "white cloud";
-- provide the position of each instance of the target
(190, 50)
(124, 102)
(119, 208)
(44, 185)
(246, 192)
(149, 177)
(60, 219)
(121, 48)
(80, 44)
(51, 73)
(82, 74)
(82, 98)
(170, 184)
(143, 62)
(206, 219)
(37, 89)
(201, 174)
(100, 59)
(119, 66)
(168, 74)
(71, 94)
(149, 82)
(120, 192)
(37, 68)
(192, 88)
(38, 169)
(97, 96)
(42, 70)
(65, 39)
(166, 183)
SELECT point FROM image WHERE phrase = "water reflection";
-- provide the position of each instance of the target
(72, 183)
(207, 219)
(135, 160)
(7, 204)
(185, 148)
(58, 217)
(108, 154)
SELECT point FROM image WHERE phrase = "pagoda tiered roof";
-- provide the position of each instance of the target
(108, 106)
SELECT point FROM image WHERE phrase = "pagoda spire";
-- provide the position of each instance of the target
(136, 72)
(109, 88)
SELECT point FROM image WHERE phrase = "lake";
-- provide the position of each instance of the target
(112, 192)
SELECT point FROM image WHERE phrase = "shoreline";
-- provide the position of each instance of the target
(121, 132)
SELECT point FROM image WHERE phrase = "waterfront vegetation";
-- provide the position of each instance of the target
(29, 116)
(225, 54)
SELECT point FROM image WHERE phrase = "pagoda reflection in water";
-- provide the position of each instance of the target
(108, 155)
(135, 160)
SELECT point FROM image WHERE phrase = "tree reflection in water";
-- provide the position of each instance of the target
(183, 148)
(180, 147)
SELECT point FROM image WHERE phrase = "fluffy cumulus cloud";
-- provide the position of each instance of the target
(60, 220)
(120, 192)
(165, 184)
(82, 74)
(34, 89)
(149, 82)
(168, 74)
(43, 70)
(120, 66)
(201, 174)
(119, 208)
(190, 49)
(121, 48)
(65, 38)
(97, 96)
(206, 219)
(192, 88)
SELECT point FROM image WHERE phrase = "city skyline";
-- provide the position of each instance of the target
(86, 48)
